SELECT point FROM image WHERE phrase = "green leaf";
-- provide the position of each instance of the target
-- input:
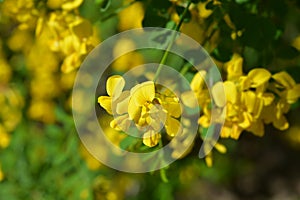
(128, 141)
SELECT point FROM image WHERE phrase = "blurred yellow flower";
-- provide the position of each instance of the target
(131, 17)
(128, 60)
(4, 137)
(42, 110)
(23, 11)
(296, 43)
(20, 40)
(91, 161)
(1, 174)
(5, 72)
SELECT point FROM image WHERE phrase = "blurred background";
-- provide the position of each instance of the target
(44, 42)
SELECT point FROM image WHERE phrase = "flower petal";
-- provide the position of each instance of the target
(142, 93)
(234, 67)
(257, 129)
(293, 94)
(284, 79)
(115, 85)
(281, 123)
(198, 81)
(172, 126)
(258, 76)
(150, 138)
(105, 102)
(268, 98)
(218, 94)
(188, 101)
(122, 103)
(230, 91)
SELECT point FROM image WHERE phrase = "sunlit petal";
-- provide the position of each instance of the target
(218, 94)
(115, 85)
(198, 81)
(105, 102)
(259, 76)
(172, 126)
(284, 79)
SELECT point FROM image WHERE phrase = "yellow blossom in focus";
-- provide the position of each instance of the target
(234, 67)
(148, 109)
(198, 87)
(250, 100)
(114, 87)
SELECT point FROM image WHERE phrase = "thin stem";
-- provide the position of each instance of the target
(163, 174)
(185, 68)
(174, 34)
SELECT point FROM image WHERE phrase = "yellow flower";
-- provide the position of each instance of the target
(42, 110)
(114, 87)
(148, 109)
(23, 11)
(234, 67)
(245, 100)
(5, 72)
(198, 89)
(71, 35)
(296, 43)
(131, 17)
(286, 87)
(71, 4)
(274, 114)
(4, 137)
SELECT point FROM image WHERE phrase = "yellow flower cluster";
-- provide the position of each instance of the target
(22, 12)
(252, 100)
(70, 35)
(52, 36)
(148, 106)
